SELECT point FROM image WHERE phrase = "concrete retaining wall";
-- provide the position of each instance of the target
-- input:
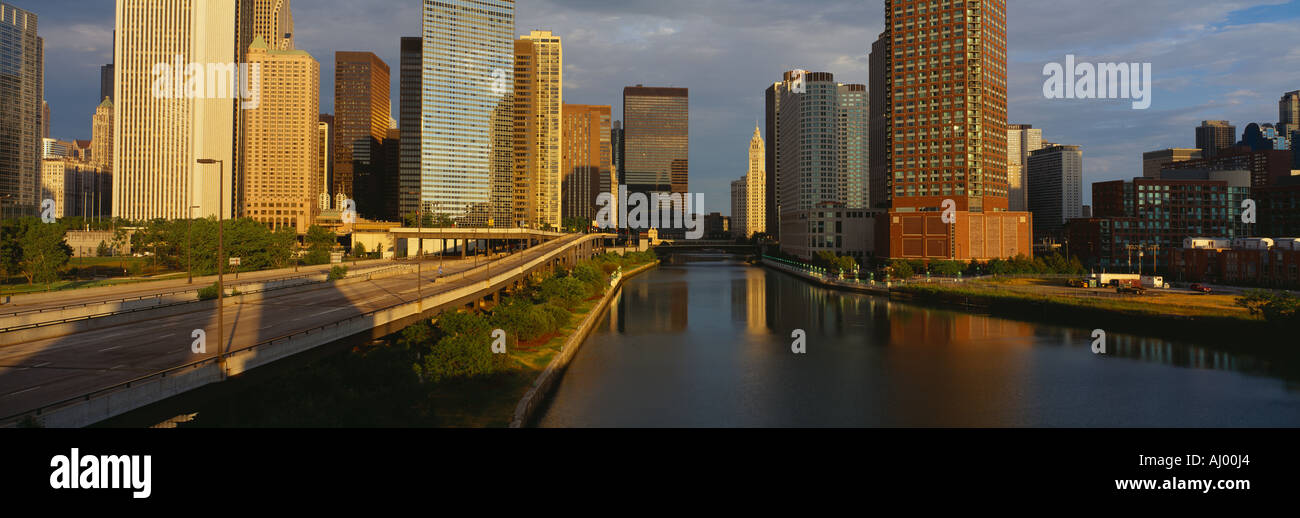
(532, 400)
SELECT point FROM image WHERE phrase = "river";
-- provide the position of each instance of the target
(708, 344)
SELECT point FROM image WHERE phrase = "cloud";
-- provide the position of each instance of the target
(1207, 56)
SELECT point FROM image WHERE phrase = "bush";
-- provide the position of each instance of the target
(338, 272)
(594, 278)
(523, 320)
(566, 292)
(902, 269)
(1280, 308)
(209, 292)
(464, 351)
(559, 315)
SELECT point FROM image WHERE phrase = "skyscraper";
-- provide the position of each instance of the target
(754, 216)
(656, 139)
(281, 181)
(273, 22)
(852, 129)
(361, 120)
(587, 167)
(1289, 113)
(324, 146)
(158, 139)
(538, 103)
(946, 104)
(739, 206)
(467, 133)
(1213, 136)
(772, 112)
(1056, 174)
(410, 91)
(616, 144)
(101, 139)
(21, 93)
(1022, 139)
(807, 151)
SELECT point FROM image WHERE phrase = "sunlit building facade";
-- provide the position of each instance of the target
(467, 111)
(538, 105)
(656, 139)
(282, 180)
(21, 94)
(587, 161)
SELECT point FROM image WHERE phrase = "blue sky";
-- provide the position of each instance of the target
(1211, 59)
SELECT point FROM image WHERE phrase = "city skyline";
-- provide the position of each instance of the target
(78, 35)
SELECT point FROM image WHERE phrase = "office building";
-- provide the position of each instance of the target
(739, 207)
(282, 173)
(361, 121)
(1022, 139)
(158, 140)
(467, 111)
(807, 151)
(616, 145)
(1289, 113)
(753, 220)
(101, 139)
(586, 164)
(852, 145)
(325, 150)
(1154, 161)
(273, 22)
(945, 102)
(1056, 195)
(539, 100)
(409, 102)
(656, 139)
(21, 96)
(772, 110)
(1213, 136)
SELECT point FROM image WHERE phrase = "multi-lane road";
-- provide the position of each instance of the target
(43, 372)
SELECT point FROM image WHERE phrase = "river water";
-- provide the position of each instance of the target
(708, 344)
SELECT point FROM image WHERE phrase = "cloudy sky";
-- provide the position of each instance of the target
(1211, 59)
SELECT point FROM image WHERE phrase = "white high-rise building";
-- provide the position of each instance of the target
(1022, 139)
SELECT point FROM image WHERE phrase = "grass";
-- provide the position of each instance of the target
(1153, 304)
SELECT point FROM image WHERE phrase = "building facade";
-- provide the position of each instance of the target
(362, 113)
(656, 139)
(1288, 109)
(587, 162)
(409, 102)
(539, 101)
(754, 217)
(1022, 139)
(1213, 136)
(282, 171)
(945, 104)
(467, 153)
(852, 143)
(1056, 195)
(21, 93)
(1154, 161)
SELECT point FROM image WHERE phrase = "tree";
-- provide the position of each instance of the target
(320, 242)
(359, 250)
(284, 246)
(901, 269)
(44, 252)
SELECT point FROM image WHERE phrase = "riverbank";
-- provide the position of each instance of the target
(374, 385)
(545, 383)
(1157, 314)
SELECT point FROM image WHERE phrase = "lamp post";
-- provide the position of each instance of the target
(221, 252)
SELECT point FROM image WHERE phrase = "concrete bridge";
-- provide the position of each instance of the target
(99, 368)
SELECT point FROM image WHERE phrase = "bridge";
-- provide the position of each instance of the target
(702, 246)
(91, 368)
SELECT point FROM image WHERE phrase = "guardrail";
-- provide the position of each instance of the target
(215, 360)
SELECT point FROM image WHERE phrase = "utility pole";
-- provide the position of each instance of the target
(221, 252)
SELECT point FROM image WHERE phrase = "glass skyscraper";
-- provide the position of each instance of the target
(21, 92)
(467, 112)
(656, 139)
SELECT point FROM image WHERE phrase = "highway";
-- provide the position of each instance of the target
(42, 372)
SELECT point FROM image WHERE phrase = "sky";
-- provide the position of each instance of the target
(1211, 59)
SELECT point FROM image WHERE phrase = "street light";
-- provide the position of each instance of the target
(221, 252)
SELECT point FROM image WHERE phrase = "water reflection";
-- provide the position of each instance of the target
(672, 354)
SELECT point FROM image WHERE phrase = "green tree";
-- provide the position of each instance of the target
(44, 252)
(320, 242)
(901, 269)
(359, 250)
(284, 247)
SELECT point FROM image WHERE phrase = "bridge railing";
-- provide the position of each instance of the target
(217, 359)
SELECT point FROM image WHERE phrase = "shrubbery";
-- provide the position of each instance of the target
(338, 272)
(1279, 308)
